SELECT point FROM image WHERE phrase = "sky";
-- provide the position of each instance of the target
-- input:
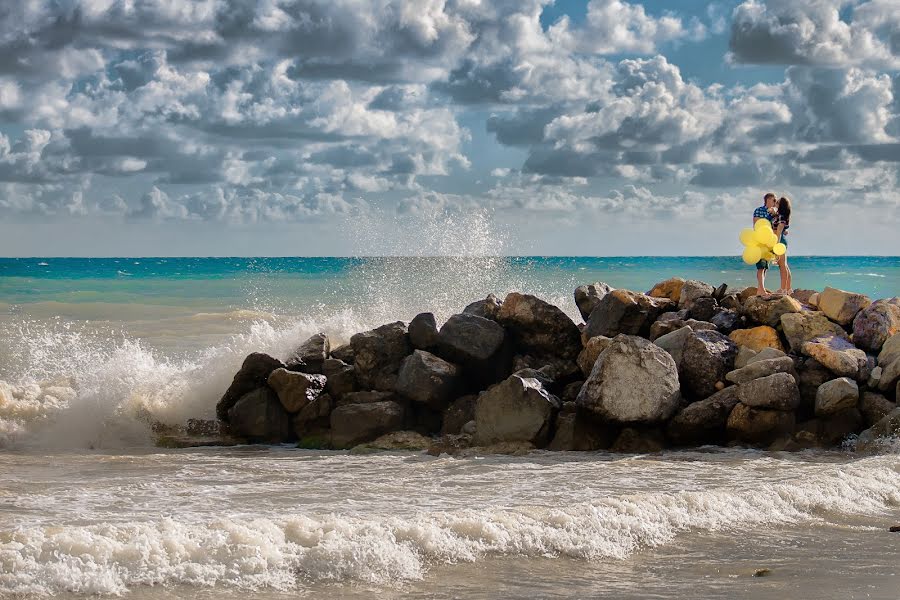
(347, 127)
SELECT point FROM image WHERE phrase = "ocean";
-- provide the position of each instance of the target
(92, 350)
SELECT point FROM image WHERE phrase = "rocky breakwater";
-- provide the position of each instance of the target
(685, 364)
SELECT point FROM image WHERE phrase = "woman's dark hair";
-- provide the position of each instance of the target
(784, 208)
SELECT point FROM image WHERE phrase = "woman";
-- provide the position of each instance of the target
(781, 223)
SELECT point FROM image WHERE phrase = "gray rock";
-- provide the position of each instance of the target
(720, 291)
(661, 327)
(397, 440)
(539, 327)
(836, 395)
(874, 407)
(515, 410)
(837, 427)
(706, 357)
(759, 426)
(423, 332)
(341, 378)
(591, 351)
(890, 376)
(692, 290)
(556, 368)
(295, 390)
(763, 368)
(378, 354)
(876, 323)
(840, 306)
(460, 412)
(726, 320)
(470, 341)
(731, 302)
(768, 310)
(570, 392)
(312, 353)
(354, 424)
(425, 378)
(800, 328)
(624, 311)
(633, 440)
(744, 356)
(260, 417)
(704, 309)
(674, 342)
(314, 416)
(890, 351)
(887, 427)
(253, 374)
(633, 381)
(838, 356)
(812, 375)
(776, 392)
(488, 308)
(576, 433)
(366, 397)
(587, 297)
(343, 353)
(703, 422)
(766, 354)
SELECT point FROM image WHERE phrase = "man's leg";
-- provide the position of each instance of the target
(761, 282)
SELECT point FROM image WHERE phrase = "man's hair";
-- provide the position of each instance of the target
(769, 195)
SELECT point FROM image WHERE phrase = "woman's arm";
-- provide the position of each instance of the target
(779, 231)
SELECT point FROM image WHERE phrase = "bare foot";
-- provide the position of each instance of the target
(763, 292)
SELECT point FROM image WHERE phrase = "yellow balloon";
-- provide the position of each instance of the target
(747, 238)
(779, 249)
(752, 254)
(761, 236)
(762, 224)
(773, 239)
(768, 255)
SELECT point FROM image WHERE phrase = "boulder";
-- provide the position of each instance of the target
(313, 416)
(574, 432)
(488, 308)
(353, 424)
(887, 427)
(745, 294)
(836, 395)
(836, 428)
(591, 351)
(624, 311)
(295, 390)
(890, 375)
(663, 326)
(397, 440)
(803, 296)
(587, 297)
(517, 409)
(744, 356)
(707, 356)
(460, 412)
(767, 310)
(633, 381)
(425, 378)
(726, 320)
(343, 353)
(378, 354)
(539, 327)
(312, 353)
(570, 393)
(632, 440)
(812, 375)
(366, 397)
(423, 332)
(703, 422)
(260, 417)
(704, 309)
(692, 290)
(876, 323)
(253, 374)
(674, 342)
(766, 354)
(890, 351)
(473, 342)
(837, 355)
(800, 328)
(558, 369)
(775, 392)
(763, 368)
(757, 338)
(874, 378)
(759, 426)
(670, 288)
(340, 378)
(720, 291)
(840, 306)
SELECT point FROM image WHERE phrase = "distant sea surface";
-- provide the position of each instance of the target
(91, 350)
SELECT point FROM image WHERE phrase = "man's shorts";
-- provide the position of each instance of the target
(762, 264)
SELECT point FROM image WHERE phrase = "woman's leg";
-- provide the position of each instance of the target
(783, 274)
(760, 282)
(786, 273)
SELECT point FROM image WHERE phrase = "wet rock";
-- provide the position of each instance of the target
(397, 440)
(767, 310)
(591, 351)
(840, 306)
(726, 320)
(670, 288)
(876, 323)
(539, 327)
(260, 417)
(837, 427)
(632, 440)
(378, 354)
(425, 378)
(312, 353)
(731, 302)
(570, 392)
(704, 309)
(314, 416)
(836, 395)
(353, 424)
(812, 375)
(423, 332)
(692, 290)
(488, 308)
(887, 427)
(763, 368)
(624, 311)
(776, 392)
(874, 407)
(837, 355)
(577, 433)
(366, 397)
(295, 390)
(253, 374)
(343, 353)
(340, 377)
(452, 445)
(707, 357)
(471, 341)
(703, 422)
(587, 297)
(558, 369)
(515, 410)
(757, 338)
(460, 412)
(759, 426)
(720, 291)
(800, 328)
(633, 381)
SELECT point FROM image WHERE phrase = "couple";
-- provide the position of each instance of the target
(778, 212)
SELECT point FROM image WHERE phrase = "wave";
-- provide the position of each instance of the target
(289, 552)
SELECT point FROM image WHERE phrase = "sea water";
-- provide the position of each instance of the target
(93, 350)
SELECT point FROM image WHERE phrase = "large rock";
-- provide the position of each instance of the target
(670, 288)
(474, 342)
(377, 355)
(800, 328)
(633, 381)
(397, 440)
(674, 342)
(460, 412)
(763, 368)
(260, 417)
(354, 424)
(837, 427)
(539, 327)
(887, 427)
(253, 374)
(341, 378)
(488, 308)
(840, 306)
(367, 397)
(707, 356)
(759, 426)
(726, 320)
(890, 376)
(692, 290)
(767, 310)
(576, 433)
(517, 409)
(703, 422)
(875, 324)
(312, 353)
(664, 325)
(313, 416)
(423, 331)
(757, 338)
(812, 375)
(837, 355)
(705, 309)
(425, 378)
(295, 390)
(624, 311)
(587, 297)
(836, 395)
(890, 351)
(775, 392)
(874, 407)
(634, 440)
(591, 351)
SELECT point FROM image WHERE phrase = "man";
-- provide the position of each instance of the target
(763, 212)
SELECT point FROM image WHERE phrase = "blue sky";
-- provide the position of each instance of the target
(304, 127)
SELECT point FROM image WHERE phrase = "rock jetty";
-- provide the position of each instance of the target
(685, 364)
